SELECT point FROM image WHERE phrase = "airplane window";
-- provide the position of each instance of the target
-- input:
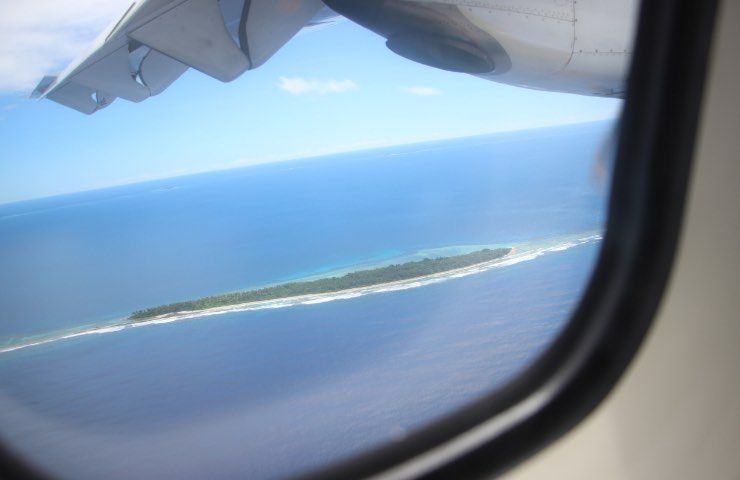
(389, 210)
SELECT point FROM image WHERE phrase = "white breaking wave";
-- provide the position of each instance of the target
(91, 331)
(519, 254)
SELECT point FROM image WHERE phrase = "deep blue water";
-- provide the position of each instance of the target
(267, 393)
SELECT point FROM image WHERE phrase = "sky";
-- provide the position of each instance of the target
(333, 89)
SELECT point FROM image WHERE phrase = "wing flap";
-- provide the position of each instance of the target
(158, 71)
(194, 33)
(112, 74)
(80, 97)
(269, 24)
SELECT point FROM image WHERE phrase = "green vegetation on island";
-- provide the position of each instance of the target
(361, 278)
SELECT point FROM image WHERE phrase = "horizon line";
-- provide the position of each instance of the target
(365, 146)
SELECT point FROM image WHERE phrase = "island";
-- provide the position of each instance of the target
(390, 274)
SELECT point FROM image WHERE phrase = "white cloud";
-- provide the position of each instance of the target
(38, 37)
(301, 86)
(423, 91)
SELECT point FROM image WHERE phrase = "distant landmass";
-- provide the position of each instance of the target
(359, 279)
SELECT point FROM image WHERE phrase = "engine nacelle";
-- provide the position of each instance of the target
(562, 45)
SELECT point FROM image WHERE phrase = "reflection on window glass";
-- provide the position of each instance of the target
(259, 278)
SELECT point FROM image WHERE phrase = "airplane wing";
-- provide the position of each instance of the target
(156, 41)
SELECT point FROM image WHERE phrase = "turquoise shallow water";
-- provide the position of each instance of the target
(266, 393)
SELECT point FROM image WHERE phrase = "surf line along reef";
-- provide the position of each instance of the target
(380, 276)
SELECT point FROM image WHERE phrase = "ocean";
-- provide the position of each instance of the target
(273, 392)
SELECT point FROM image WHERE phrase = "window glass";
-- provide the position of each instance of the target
(258, 278)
